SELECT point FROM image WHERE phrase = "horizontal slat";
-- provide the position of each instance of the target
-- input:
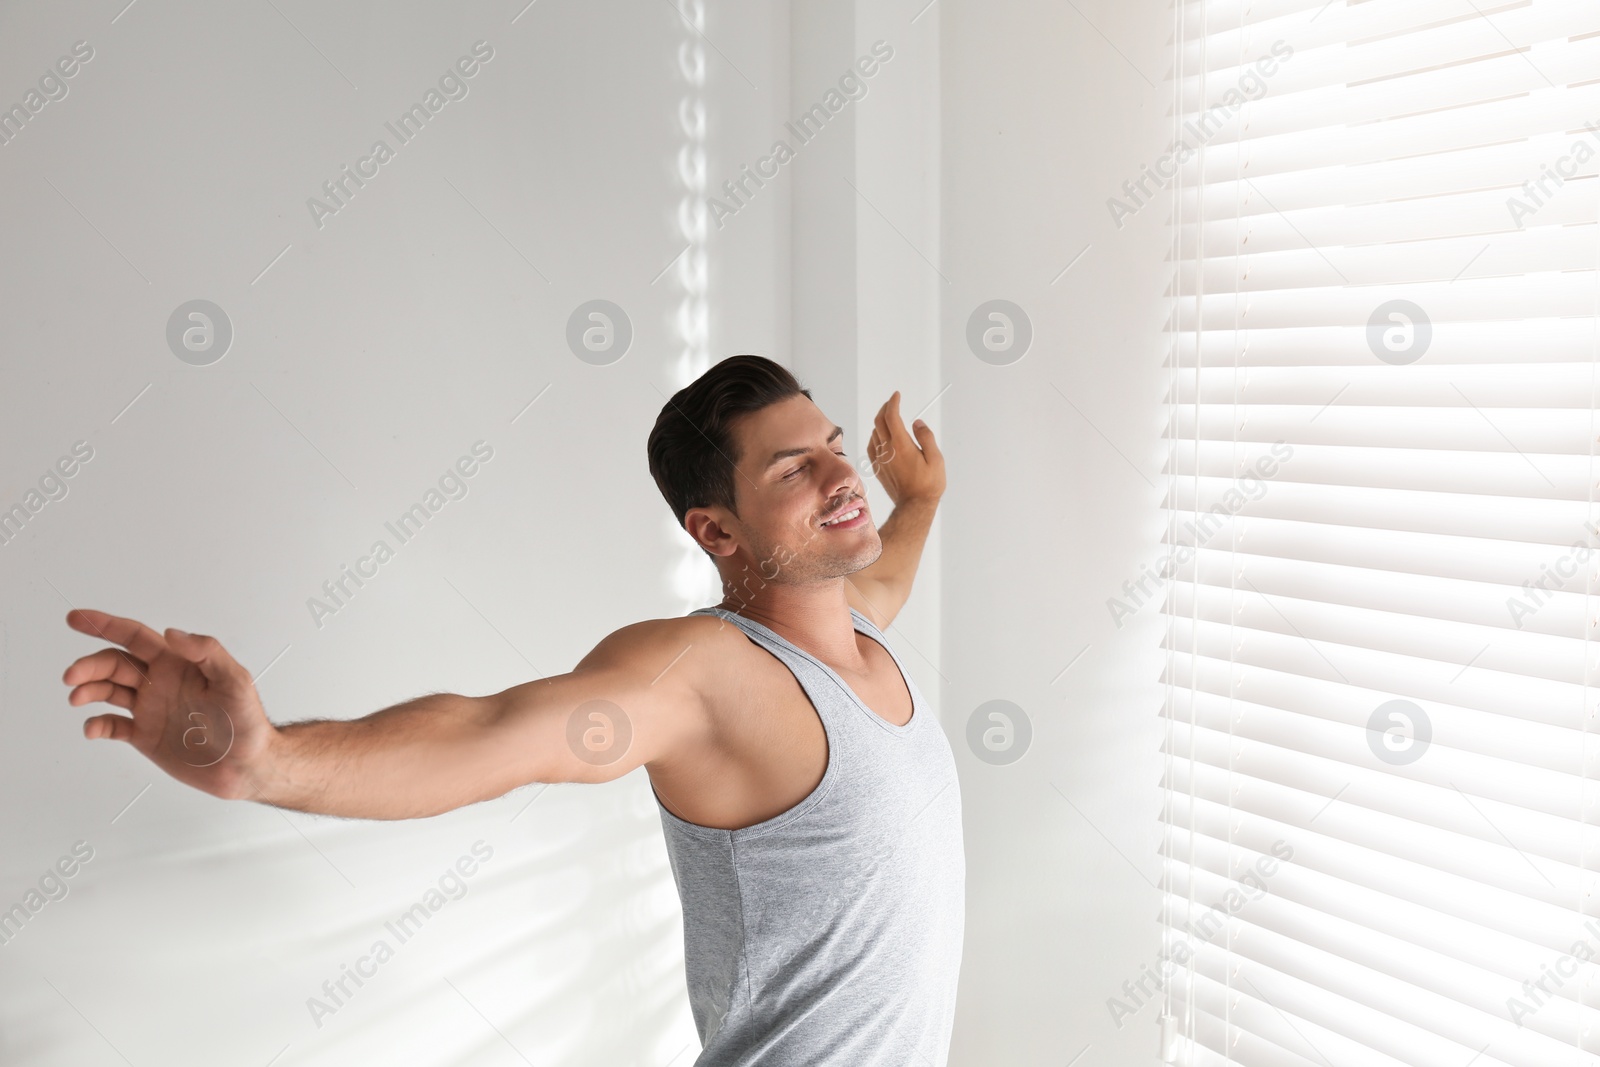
(1538, 521)
(1345, 1009)
(1468, 558)
(1218, 990)
(1200, 174)
(1471, 58)
(1219, 1041)
(1531, 432)
(1225, 464)
(1472, 925)
(1419, 985)
(1514, 169)
(1454, 308)
(1453, 239)
(1397, 818)
(1518, 192)
(1439, 880)
(1290, 671)
(1380, 925)
(1216, 32)
(1215, 1043)
(1445, 621)
(1474, 235)
(1314, 107)
(1222, 19)
(1278, 750)
(1569, 340)
(1380, 385)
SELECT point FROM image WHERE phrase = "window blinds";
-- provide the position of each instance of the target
(1380, 790)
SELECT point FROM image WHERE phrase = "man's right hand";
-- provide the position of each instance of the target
(196, 713)
(635, 698)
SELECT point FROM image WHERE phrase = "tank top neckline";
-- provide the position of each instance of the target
(863, 625)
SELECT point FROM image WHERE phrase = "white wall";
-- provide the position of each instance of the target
(865, 281)
(1043, 119)
(424, 316)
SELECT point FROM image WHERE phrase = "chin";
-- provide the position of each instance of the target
(866, 557)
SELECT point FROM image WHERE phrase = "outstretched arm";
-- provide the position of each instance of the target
(911, 470)
(196, 714)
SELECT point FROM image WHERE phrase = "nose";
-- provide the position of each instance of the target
(846, 483)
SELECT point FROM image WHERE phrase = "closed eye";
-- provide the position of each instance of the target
(803, 466)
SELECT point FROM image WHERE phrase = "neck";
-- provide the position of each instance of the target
(812, 615)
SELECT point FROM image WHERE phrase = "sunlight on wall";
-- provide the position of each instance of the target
(694, 579)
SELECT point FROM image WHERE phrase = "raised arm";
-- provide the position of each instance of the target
(196, 714)
(911, 470)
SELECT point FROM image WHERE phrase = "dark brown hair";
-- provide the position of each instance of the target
(692, 449)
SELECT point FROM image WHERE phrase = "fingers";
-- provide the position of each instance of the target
(879, 451)
(880, 421)
(108, 728)
(120, 695)
(930, 447)
(135, 636)
(108, 663)
(207, 653)
(890, 422)
(889, 436)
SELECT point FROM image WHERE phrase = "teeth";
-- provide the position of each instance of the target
(846, 517)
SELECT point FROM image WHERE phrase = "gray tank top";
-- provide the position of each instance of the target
(830, 935)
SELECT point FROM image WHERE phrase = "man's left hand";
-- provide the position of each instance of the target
(908, 468)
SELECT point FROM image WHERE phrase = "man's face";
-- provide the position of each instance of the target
(792, 474)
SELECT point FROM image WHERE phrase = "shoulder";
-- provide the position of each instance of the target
(691, 647)
(690, 669)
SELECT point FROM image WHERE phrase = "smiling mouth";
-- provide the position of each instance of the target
(852, 518)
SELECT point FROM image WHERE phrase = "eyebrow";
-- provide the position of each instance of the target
(779, 457)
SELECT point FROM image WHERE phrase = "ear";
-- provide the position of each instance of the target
(706, 528)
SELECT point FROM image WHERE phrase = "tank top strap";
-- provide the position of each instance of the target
(868, 627)
(761, 634)
(820, 686)
(862, 623)
(768, 638)
(841, 709)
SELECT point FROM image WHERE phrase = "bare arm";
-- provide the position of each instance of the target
(620, 708)
(881, 590)
(911, 471)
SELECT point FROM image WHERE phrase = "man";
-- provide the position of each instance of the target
(809, 801)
